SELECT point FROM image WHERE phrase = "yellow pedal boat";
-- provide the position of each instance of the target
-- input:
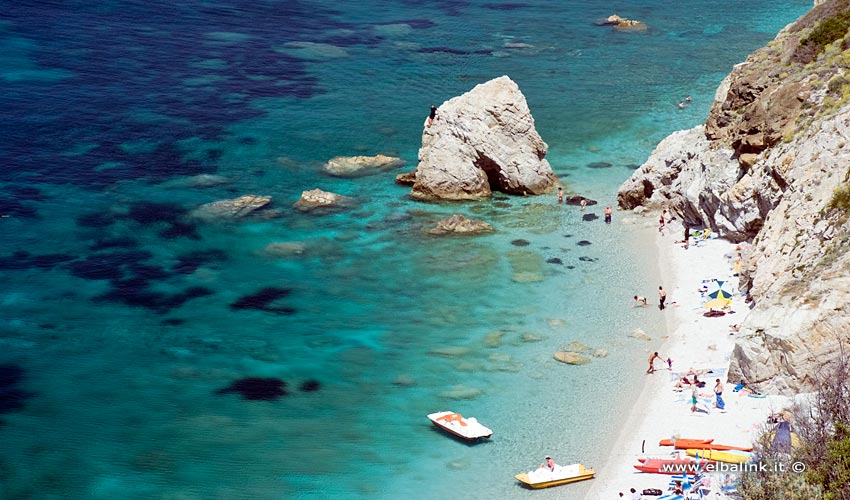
(563, 474)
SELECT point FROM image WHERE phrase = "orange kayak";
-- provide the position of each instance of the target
(685, 443)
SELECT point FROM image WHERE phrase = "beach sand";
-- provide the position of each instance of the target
(694, 341)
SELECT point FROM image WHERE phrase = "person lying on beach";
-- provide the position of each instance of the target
(713, 314)
(640, 301)
(697, 382)
(682, 383)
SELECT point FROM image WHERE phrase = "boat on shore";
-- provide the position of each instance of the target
(727, 456)
(563, 474)
(468, 429)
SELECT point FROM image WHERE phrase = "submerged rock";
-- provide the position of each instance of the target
(461, 392)
(232, 209)
(571, 358)
(575, 201)
(640, 335)
(451, 352)
(359, 166)
(483, 141)
(458, 224)
(530, 337)
(285, 249)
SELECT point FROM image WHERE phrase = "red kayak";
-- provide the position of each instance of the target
(686, 443)
(671, 466)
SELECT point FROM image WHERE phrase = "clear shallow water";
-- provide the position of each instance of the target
(116, 328)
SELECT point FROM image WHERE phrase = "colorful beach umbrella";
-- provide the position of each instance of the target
(717, 290)
(718, 303)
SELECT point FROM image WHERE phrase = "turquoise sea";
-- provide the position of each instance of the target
(123, 322)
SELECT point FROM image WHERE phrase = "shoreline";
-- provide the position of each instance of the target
(658, 412)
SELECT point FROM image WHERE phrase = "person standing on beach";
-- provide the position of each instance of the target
(687, 234)
(652, 358)
(661, 221)
(433, 115)
(608, 214)
(718, 393)
(560, 194)
(662, 296)
(739, 261)
(694, 398)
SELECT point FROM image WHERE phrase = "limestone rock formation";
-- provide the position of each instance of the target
(571, 358)
(483, 141)
(231, 209)
(771, 166)
(458, 224)
(359, 166)
(316, 199)
(406, 179)
(622, 23)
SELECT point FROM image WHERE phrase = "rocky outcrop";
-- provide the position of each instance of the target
(360, 166)
(483, 141)
(232, 209)
(458, 224)
(406, 179)
(316, 199)
(771, 166)
(622, 23)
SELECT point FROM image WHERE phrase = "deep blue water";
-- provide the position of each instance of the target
(125, 323)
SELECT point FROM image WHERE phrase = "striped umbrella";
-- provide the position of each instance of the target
(718, 290)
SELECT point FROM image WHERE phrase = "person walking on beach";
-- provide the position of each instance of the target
(652, 358)
(662, 296)
(687, 234)
(718, 393)
(640, 301)
(608, 214)
(560, 194)
(432, 116)
(661, 221)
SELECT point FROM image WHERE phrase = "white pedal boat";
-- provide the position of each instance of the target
(464, 428)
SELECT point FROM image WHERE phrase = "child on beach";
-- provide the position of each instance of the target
(640, 301)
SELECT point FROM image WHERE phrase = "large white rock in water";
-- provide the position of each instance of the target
(483, 141)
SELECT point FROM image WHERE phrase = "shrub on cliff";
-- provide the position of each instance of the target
(824, 33)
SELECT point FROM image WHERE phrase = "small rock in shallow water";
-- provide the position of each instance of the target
(571, 358)
(310, 386)
(583, 243)
(589, 217)
(520, 243)
(257, 389)
(554, 260)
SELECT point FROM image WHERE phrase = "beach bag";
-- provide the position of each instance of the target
(652, 492)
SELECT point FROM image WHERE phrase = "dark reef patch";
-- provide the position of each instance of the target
(520, 243)
(25, 193)
(12, 398)
(589, 217)
(173, 322)
(146, 212)
(599, 164)
(257, 388)
(264, 300)
(632, 166)
(108, 243)
(136, 292)
(14, 208)
(310, 386)
(587, 259)
(95, 219)
(571, 267)
(583, 243)
(24, 260)
(188, 263)
(180, 230)
(554, 260)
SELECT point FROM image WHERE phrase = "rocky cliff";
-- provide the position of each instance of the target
(772, 166)
(479, 142)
